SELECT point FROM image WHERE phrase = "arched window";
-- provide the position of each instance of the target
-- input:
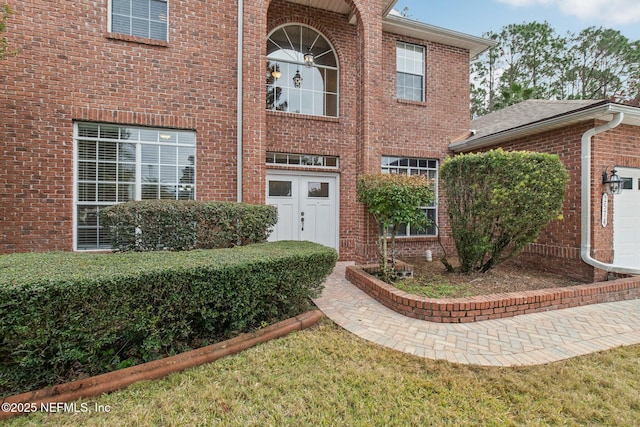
(302, 72)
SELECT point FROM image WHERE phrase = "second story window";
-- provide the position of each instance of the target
(140, 18)
(302, 72)
(410, 72)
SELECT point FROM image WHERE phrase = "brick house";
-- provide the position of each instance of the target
(599, 232)
(264, 101)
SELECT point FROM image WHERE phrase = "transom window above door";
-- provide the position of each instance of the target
(301, 72)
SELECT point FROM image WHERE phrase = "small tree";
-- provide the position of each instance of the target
(394, 200)
(498, 202)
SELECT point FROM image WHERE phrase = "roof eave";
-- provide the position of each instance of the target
(389, 7)
(408, 27)
(592, 113)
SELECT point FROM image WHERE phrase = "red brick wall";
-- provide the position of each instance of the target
(488, 307)
(368, 93)
(425, 129)
(558, 248)
(69, 68)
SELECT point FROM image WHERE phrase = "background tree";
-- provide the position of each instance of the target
(5, 11)
(394, 200)
(603, 62)
(531, 61)
(498, 202)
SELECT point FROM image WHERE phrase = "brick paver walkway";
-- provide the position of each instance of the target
(522, 340)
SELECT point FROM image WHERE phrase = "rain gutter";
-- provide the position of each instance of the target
(585, 248)
(240, 114)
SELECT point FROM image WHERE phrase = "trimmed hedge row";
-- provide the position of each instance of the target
(152, 225)
(67, 315)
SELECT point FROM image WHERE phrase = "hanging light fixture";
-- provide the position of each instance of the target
(612, 184)
(297, 79)
(309, 58)
(275, 72)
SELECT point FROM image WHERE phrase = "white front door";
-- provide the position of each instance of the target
(307, 206)
(626, 227)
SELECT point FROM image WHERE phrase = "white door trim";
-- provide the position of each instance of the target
(626, 231)
(274, 173)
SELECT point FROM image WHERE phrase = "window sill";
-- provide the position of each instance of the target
(303, 116)
(409, 102)
(417, 238)
(136, 39)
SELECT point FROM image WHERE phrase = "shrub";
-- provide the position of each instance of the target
(498, 202)
(184, 225)
(64, 315)
(394, 200)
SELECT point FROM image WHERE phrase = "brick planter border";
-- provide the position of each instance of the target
(496, 306)
(122, 378)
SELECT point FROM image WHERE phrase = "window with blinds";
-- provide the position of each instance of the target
(141, 18)
(116, 164)
(410, 72)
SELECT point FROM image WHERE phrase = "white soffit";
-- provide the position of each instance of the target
(339, 6)
(419, 30)
(408, 27)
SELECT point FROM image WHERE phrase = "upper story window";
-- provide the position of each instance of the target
(141, 18)
(410, 72)
(302, 72)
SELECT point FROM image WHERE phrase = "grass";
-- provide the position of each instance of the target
(328, 377)
(433, 286)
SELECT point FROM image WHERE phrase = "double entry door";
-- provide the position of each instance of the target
(307, 206)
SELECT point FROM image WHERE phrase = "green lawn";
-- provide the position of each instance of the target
(328, 377)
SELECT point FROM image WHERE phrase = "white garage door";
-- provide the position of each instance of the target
(626, 227)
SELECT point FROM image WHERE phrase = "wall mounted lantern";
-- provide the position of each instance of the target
(612, 184)
(297, 79)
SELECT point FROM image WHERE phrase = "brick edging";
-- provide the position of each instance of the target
(116, 380)
(496, 306)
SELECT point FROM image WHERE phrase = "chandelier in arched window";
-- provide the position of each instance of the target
(302, 72)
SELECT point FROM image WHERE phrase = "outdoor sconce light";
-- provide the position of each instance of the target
(297, 79)
(612, 184)
(275, 72)
(309, 58)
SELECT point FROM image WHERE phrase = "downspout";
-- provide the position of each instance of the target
(239, 146)
(585, 249)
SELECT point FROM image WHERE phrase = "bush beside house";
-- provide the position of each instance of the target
(498, 202)
(185, 225)
(394, 200)
(69, 315)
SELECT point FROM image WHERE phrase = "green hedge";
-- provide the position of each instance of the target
(64, 315)
(152, 225)
(499, 201)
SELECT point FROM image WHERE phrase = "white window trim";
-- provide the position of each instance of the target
(110, 19)
(435, 191)
(300, 157)
(138, 189)
(400, 43)
(301, 64)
